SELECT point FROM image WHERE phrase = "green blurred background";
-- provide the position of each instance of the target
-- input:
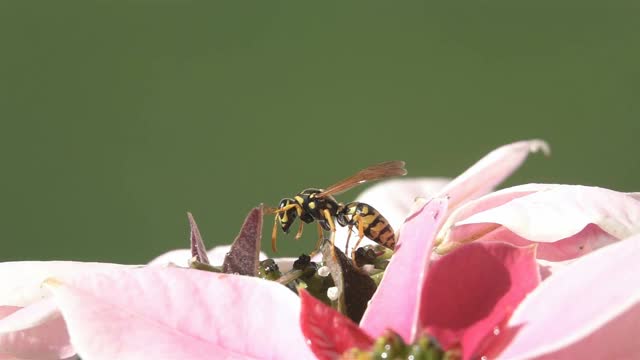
(118, 117)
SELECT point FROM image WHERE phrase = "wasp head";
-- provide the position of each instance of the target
(288, 212)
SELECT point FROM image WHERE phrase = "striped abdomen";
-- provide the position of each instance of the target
(374, 225)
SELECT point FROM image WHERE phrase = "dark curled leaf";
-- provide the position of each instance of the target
(243, 258)
(354, 286)
(198, 250)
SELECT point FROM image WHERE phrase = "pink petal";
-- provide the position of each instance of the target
(486, 202)
(198, 249)
(468, 292)
(285, 263)
(589, 239)
(329, 333)
(28, 317)
(174, 313)
(490, 171)
(393, 306)
(181, 257)
(589, 309)
(563, 211)
(558, 213)
(33, 332)
(21, 280)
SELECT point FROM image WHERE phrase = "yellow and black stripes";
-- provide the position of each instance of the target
(368, 221)
(319, 205)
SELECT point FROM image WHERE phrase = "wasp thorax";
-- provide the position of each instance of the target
(344, 215)
(287, 214)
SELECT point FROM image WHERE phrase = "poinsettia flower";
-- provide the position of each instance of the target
(475, 300)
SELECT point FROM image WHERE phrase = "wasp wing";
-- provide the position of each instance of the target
(375, 172)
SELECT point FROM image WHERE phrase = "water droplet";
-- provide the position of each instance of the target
(496, 331)
(368, 268)
(333, 293)
(324, 271)
(484, 358)
(384, 355)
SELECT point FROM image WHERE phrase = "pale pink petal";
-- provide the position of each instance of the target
(175, 313)
(589, 239)
(181, 257)
(217, 254)
(490, 171)
(473, 289)
(589, 309)
(565, 210)
(285, 264)
(33, 332)
(393, 305)
(445, 242)
(558, 215)
(30, 316)
(548, 268)
(21, 280)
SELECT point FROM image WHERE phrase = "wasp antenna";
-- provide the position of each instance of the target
(269, 210)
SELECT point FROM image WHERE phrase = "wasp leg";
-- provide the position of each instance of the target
(319, 242)
(274, 234)
(346, 248)
(332, 227)
(356, 219)
(299, 233)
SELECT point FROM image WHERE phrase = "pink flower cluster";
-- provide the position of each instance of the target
(536, 271)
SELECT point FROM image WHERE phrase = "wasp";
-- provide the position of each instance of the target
(319, 205)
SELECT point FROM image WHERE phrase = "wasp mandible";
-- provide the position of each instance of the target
(321, 206)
